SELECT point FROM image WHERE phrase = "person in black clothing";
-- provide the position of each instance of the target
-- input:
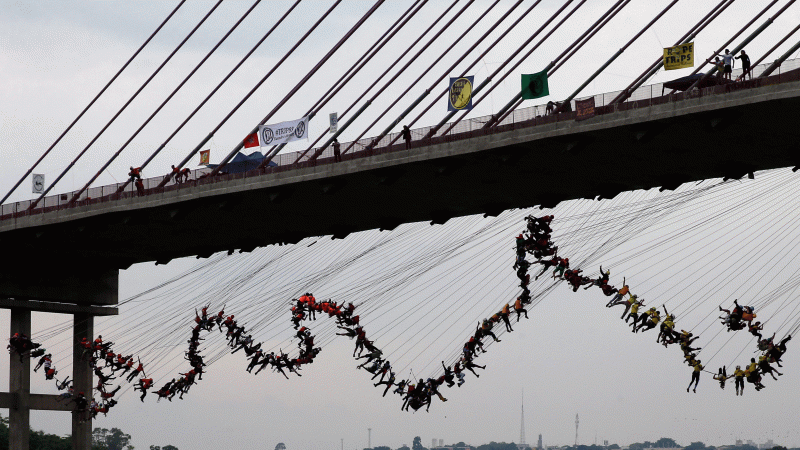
(337, 151)
(407, 136)
(745, 65)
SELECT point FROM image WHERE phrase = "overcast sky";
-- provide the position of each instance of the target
(572, 357)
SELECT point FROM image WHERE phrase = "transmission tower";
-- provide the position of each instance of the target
(576, 429)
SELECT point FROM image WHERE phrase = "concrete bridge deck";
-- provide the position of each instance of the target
(675, 140)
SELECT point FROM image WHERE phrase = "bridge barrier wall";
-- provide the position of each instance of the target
(645, 96)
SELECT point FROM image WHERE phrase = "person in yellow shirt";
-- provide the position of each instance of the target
(695, 376)
(722, 377)
(738, 375)
(655, 318)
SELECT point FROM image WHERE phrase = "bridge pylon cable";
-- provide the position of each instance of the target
(463, 72)
(491, 77)
(475, 61)
(517, 100)
(368, 55)
(391, 79)
(77, 194)
(135, 94)
(426, 71)
(657, 64)
(779, 61)
(124, 66)
(746, 41)
(301, 82)
(208, 97)
(775, 47)
(728, 42)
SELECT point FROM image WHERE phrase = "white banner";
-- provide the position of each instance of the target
(281, 133)
(334, 122)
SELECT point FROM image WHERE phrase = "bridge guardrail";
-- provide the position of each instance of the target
(645, 96)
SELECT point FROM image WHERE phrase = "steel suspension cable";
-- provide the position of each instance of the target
(251, 92)
(745, 42)
(92, 102)
(436, 100)
(376, 47)
(169, 97)
(135, 94)
(655, 66)
(769, 52)
(301, 82)
(722, 47)
(208, 97)
(419, 78)
(433, 130)
(594, 29)
(396, 75)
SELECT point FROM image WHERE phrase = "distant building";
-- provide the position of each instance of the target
(539, 444)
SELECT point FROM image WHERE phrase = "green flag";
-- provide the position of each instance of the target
(535, 85)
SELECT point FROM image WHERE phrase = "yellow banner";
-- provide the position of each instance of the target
(679, 57)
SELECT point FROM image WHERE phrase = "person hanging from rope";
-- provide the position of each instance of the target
(268, 360)
(634, 314)
(775, 352)
(42, 361)
(401, 386)
(165, 391)
(504, 313)
(458, 370)
(652, 322)
(753, 376)
(666, 335)
(349, 332)
(448, 375)
(485, 328)
(563, 264)
(765, 367)
(385, 368)
(389, 383)
(721, 376)
(617, 299)
(66, 384)
(469, 365)
(695, 375)
(755, 329)
(255, 359)
(734, 317)
(686, 339)
(519, 308)
(738, 378)
(627, 303)
(138, 370)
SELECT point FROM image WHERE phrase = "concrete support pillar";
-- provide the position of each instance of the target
(19, 384)
(83, 381)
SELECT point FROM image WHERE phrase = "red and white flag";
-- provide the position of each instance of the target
(251, 140)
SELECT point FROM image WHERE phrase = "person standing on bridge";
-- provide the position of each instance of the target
(745, 65)
(337, 151)
(407, 136)
(727, 60)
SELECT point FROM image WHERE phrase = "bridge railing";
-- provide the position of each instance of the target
(645, 96)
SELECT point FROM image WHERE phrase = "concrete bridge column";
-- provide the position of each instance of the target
(19, 384)
(82, 375)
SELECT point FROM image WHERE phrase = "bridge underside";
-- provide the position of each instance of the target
(728, 135)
